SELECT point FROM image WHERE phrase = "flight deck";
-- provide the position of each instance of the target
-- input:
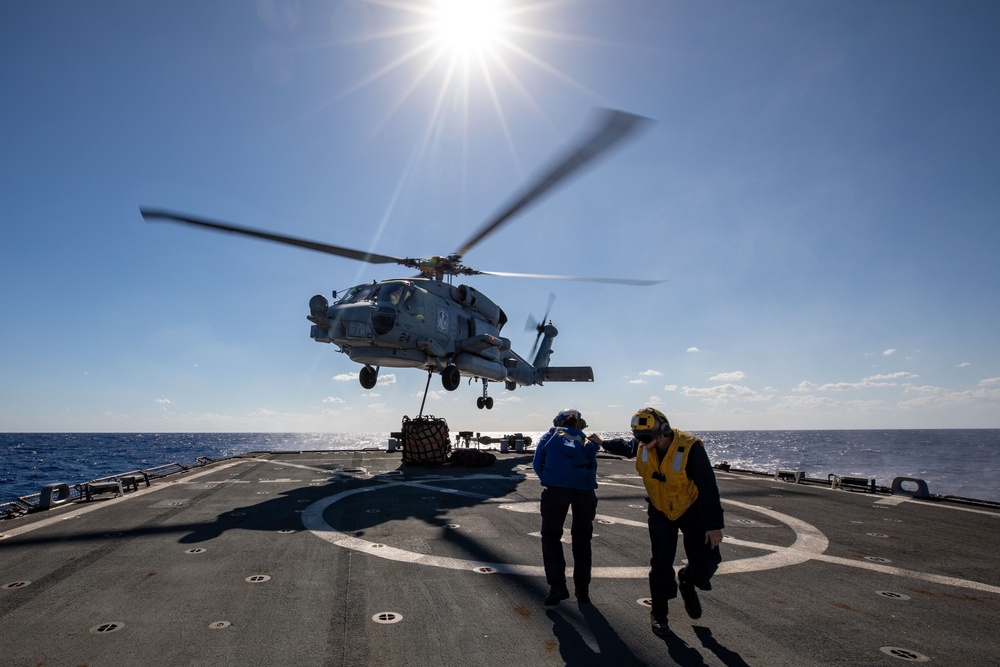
(350, 558)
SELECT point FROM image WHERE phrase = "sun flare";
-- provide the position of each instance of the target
(460, 55)
(468, 27)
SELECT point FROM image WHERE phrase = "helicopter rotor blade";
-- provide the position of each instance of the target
(150, 214)
(613, 281)
(612, 127)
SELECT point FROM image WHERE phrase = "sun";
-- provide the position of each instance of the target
(467, 27)
(460, 55)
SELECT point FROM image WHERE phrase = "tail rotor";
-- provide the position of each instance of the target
(539, 326)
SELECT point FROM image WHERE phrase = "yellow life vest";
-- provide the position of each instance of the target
(670, 491)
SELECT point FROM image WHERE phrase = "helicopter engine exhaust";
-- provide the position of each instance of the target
(477, 301)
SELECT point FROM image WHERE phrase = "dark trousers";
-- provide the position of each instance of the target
(703, 561)
(556, 502)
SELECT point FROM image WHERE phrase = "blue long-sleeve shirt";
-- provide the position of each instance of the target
(565, 458)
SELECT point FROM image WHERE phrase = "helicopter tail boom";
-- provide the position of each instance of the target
(545, 373)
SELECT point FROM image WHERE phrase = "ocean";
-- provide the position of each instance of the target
(959, 462)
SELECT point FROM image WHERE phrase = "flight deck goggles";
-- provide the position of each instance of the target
(649, 423)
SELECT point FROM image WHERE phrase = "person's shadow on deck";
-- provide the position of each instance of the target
(612, 650)
(575, 651)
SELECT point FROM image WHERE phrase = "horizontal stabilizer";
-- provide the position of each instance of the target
(569, 374)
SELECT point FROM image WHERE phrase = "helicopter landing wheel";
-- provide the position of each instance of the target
(484, 401)
(450, 377)
(368, 377)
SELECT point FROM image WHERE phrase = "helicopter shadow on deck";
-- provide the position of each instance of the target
(390, 494)
(425, 495)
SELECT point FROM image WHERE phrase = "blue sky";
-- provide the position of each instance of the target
(820, 193)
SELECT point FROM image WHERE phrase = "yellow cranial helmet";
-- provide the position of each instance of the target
(649, 423)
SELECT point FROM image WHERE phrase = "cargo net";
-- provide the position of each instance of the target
(425, 441)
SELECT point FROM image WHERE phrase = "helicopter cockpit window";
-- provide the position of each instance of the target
(413, 301)
(391, 293)
(358, 293)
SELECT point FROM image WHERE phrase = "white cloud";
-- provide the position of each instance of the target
(963, 364)
(729, 377)
(867, 406)
(805, 385)
(890, 376)
(337, 412)
(724, 393)
(870, 382)
(796, 403)
(434, 395)
(387, 378)
(637, 382)
(693, 349)
(938, 400)
(670, 387)
(925, 389)
(987, 390)
(838, 386)
(651, 372)
(163, 401)
(887, 353)
(333, 399)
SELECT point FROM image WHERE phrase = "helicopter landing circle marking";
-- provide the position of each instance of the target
(809, 541)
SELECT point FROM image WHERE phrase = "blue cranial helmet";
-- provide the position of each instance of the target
(571, 418)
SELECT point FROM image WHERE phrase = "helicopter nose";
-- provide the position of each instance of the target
(318, 306)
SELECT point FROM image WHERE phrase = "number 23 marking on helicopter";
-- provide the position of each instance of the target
(387, 323)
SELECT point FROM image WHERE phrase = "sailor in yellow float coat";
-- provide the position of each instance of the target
(683, 495)
(665, 477)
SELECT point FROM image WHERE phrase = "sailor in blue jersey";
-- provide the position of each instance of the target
(566, 465)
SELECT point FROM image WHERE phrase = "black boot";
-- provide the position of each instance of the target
(692, 605)
(556, 594)
(583, 594)
(658, 623)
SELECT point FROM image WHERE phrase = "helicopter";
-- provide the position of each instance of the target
(426, 321)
